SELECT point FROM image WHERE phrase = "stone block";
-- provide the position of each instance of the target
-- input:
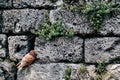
(42, 72)
(18, 46)
(59, 50)
(102, 49)
(22, 21)
(71, 20)
(111, 26)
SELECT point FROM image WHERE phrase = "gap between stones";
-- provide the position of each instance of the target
(30, 7)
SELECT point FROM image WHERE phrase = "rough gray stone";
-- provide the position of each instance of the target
(102, 49)
(76, 73)
(18, 46)
(20, 21)
(42, 72)
(56, 71)
(60, 49)
(8, 70)
(3, 45)
(52, 71)
(59, 3)
(71, 20)
(5, 3)
(111, 26)
(35, 3)
(113, 72)
(1, 75)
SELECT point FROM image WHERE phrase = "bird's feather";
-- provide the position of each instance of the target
(26, 60)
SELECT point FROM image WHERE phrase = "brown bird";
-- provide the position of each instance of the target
(26, 60)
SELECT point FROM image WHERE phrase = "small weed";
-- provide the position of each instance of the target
(98, 77)
(95, 12)
(73, 5)
(82, 69)
(67, 73)
(46, 14)
(48, 30)
(100, 69)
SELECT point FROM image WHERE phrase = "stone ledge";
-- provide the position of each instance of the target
(52, 71)
(56, 71)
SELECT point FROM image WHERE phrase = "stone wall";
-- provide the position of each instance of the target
(19, 17)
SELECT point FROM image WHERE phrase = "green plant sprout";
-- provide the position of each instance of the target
(48, 30)
(95, 12)
(100, 69)
(67, 73)
(82, 69)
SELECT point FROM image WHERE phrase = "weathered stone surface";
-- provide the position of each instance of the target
(102, 49)
(24, 20)
(8, 70)
(3, 45)
(35, 3)
(111, 26)
(56, 71)
(60, 49)
(5, 3)
(42, 72)
(18, 46)
(52, 71)
(113, 72)
(1, 75)
(71, 20)
(89, 73)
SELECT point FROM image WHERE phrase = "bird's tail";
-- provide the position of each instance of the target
(20, 69)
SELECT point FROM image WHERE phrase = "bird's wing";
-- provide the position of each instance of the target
(28, 58)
